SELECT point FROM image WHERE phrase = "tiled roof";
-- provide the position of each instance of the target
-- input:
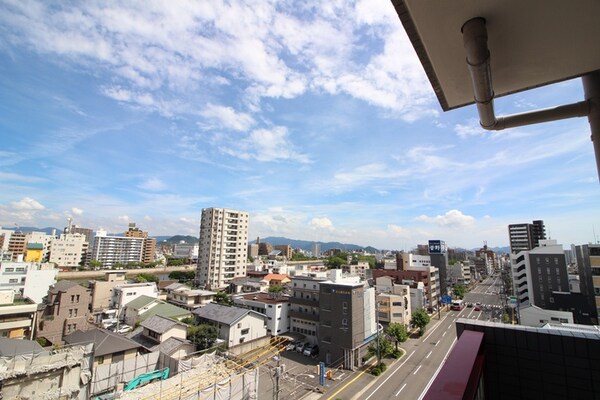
(15, 347)
(140, 302)
(105, 342)
(224, 314)
(62, 286)
(165, 310)
(160, 324)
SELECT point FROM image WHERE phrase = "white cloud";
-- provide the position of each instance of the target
(27, 204)
(321, 223)
(123, 218)
(147, 218)
(265, 145)
(152, 184)
(398, 230)
(8, 176)
(76, 211)
(227, 117)
(470, 128)
(452, 218)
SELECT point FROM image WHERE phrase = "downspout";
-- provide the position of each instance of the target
(478, 61)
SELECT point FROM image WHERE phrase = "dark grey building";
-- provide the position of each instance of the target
(588, 266)
(346, 322)
(304, 306)
(438, 253)
(524, 237)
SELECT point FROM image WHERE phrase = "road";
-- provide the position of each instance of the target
(411, 376)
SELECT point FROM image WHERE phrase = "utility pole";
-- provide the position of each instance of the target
(277, 375)
(377, 327)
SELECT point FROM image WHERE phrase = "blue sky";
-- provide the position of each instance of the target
(319, 121)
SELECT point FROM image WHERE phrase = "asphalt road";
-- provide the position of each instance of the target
(409, 377)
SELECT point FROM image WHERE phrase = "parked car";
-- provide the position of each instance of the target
(292, 345)
(300, 346)
(311, 350)
(124, 328)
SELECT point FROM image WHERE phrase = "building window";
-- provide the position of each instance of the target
(13, 281)
(77, 298)
(72, 298)
(245, 331)
(344, 322)
(100, 359)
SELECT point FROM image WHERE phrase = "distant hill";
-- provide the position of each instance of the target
(177, 239)
(307, 245)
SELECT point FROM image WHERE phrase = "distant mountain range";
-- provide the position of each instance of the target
(306, 245)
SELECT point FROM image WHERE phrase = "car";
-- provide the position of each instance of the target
(292, 345)
(124, 328)
(477, 308)
(469, 305)
(300, 346)
(311, 350)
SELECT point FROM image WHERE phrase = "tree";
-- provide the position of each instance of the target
(397, 332)
(182, 276)
(146, 278)
(335, 262)
(420, 319)
(459, 290)
(385, 347)
(275, 289)
(203, 336)
(223, 298)
(95, 264)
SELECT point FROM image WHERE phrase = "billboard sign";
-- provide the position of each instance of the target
(437, 247)
(513, 301)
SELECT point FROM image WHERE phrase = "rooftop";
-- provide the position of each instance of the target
(225, 314)
(105, 342)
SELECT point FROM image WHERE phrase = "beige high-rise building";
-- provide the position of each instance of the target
(69, 250)
(223, 251)
(149, 246)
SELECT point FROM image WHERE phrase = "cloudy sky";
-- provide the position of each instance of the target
(316, 118)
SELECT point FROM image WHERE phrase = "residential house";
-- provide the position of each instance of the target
(109, 347)
(102, 290)
(165, 335)
(125, 293)
(66, 310)
(274, 305)
(144, 307)
(185, 297)
(235, 325)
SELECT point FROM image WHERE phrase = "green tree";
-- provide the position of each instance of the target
(203, 336)
(275, 289)
(386, 347)
(420, 319)
(223, 298)
(95, 264)
(182, 276)
(459, 290)
(300, 257)
(146, 278)
(397, 332)
(335, 262)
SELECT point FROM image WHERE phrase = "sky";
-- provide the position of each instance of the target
(315, 117)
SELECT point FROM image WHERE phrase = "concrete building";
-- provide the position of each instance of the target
(18, 316)
(186, 251)
(274, 305)
(235, 325)
(416, 291)
(66, 310)
(223, 251)
(425, 275)
(102, 290)
(148, 246)
(408, 261)
(540, 278)
(588, 267)
(523, 237)
(253, 250)
(304, 306)
(535, 316)
(459, 273)
(357, 268)
(123, 294)
(116, 249)
(316, 250)
(28, 279)
(438, 252)
(27, 371)
(286, 250)
(69, 250)
(346, 321)
(5, 235)
(17, 245)
(394, 308)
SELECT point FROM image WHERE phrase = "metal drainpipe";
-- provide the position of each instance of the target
(478, 61)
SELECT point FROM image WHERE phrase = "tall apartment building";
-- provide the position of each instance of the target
(17, 245)
(524, 237)
(69, 250)
(149, 245)
(304, 312)
(27, 279)
(286, 250)
(588, 266)
(116, 249)
(223, 251)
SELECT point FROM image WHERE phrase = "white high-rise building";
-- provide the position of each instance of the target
(116, 249)
(69, 250)
(223, 251)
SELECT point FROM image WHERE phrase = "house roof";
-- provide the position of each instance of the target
(35, 246)
(62, 286)
(175, 285)
(270, 298)
(224, 314)
(169, 346)
(166, 310)
(160, 324)
(15, 347)
(277, 277)
(140, 302)
(105, 342)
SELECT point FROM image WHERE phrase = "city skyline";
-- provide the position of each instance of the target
(318, 121)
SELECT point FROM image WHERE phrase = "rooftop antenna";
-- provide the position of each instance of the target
(69, 221)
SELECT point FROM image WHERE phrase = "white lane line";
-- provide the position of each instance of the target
(417, 370)
(436, 343)
(437, 371)
(433, 330)
(444, 334)
(403, 386)
(392, 374)
(428, 354)
(449, 326)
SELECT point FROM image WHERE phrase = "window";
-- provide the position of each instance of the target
(72, 298)
(9, 270)
(77, 298)
(245, 331)
(344, 322)
(21, 269)
(100, 359)
(13, 281)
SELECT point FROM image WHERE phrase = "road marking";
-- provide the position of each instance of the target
(417, 370)
(428, 354)
(436, 343)
(444, 334)
(433, 330)
(403, 386)
(449, 326)
(437, 371)
(382, 383)
(357, 376)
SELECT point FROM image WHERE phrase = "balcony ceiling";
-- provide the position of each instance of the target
(532, 43)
